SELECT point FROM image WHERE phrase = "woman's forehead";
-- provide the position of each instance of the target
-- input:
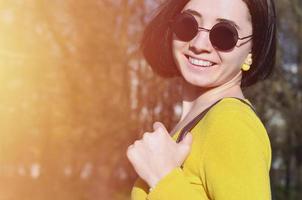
(235, 10)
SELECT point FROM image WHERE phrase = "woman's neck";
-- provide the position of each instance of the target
(196, 99)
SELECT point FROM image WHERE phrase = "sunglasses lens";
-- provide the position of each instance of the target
(185, 27)
(223, 36)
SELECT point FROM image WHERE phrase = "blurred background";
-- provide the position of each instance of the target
(75, 92)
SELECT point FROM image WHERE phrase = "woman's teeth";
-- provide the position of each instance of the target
(200, 62)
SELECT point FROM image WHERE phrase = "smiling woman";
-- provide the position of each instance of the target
(216, 47)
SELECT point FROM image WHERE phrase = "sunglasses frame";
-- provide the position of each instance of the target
(198, 29)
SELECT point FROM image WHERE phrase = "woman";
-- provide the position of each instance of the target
(217, 47)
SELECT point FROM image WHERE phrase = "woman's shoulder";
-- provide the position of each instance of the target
(232, 104)
(232, 110)
(230, 124)
(233, 117)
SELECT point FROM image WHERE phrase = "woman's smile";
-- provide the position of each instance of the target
(199, 64)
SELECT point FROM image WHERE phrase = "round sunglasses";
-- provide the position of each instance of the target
(223, 35)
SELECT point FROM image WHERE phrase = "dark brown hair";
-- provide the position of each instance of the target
(156, 43)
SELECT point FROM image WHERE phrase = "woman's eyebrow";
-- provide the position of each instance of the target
(229, 21)
(195, 13)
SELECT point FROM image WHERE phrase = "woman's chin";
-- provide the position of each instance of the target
(198, 81)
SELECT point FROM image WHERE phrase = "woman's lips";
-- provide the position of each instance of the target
(201, 63)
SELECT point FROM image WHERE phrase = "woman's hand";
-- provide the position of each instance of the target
(156, 154)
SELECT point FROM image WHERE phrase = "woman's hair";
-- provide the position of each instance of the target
(156, 43)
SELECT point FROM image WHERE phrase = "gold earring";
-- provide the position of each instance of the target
(248, 62)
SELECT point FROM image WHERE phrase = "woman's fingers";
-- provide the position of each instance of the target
(160, 127)
(157, 125)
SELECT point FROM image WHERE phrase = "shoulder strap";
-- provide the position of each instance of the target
(193, 123)
(251, 106)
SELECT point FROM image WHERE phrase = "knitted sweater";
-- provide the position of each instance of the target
(230, 159)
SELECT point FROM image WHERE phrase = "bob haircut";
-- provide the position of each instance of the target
(156, 43)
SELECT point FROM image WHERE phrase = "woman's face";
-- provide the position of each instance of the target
(227, 65)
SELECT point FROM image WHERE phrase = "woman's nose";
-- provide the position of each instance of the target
(201, 43)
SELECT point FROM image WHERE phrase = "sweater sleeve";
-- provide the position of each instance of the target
(236, 160)
(174, 185)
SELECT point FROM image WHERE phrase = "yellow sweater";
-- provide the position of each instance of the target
(230, 159)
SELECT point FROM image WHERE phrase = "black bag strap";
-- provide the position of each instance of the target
(194, 121)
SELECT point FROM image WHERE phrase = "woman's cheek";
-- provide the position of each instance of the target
(178, 50)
